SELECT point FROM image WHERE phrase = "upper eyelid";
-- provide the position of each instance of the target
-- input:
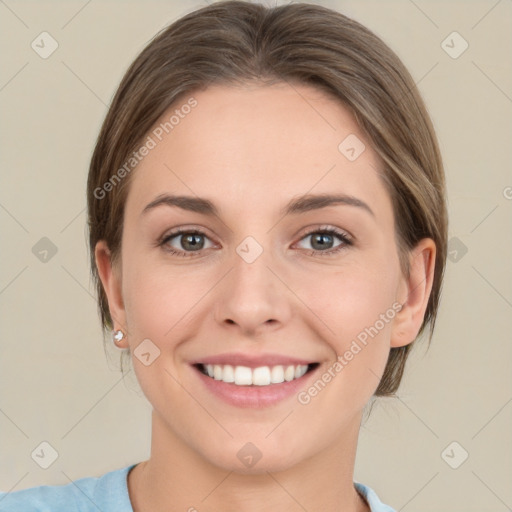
(339, 232)
(327, 227)
(183, 231)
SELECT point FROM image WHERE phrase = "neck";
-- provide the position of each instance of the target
(177, 478)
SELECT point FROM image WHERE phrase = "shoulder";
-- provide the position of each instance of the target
(108, 493)
(372, 499)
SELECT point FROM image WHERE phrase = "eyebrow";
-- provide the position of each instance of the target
(295, 206)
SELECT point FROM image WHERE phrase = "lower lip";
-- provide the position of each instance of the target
(254, 396)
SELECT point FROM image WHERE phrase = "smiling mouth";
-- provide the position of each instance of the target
(260, 376)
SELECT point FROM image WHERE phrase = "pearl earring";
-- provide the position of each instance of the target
(118, 336)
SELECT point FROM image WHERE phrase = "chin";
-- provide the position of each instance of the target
(253, 458)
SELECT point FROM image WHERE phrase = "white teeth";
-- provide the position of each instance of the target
(217, 372)
(228, 374)
(277, 375)
(300, 371)
(261, 376)
(243, 376)
(289, 373)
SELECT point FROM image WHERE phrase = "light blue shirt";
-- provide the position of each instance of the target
(108, 493)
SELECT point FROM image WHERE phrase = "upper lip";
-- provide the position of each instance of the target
(252, 361)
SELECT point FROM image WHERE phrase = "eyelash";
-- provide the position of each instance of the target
(346, 241)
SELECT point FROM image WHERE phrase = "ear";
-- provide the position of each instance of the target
(110, 277)
(414, 292)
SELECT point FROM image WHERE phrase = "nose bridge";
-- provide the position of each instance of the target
(252, 295)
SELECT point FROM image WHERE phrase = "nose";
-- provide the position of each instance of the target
(252, 298)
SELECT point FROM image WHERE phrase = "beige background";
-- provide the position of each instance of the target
(56, 383)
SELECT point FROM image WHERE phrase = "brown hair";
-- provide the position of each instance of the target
(232, 42)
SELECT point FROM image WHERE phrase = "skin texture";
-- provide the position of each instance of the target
(250, 150)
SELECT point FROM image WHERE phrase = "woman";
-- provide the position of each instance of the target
(268, 228)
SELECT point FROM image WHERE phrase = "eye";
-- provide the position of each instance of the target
(322, 240)
(184, 242)
(191, 242)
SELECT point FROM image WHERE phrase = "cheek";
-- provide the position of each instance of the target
(160, 299)
(354, 308)
(349, 300)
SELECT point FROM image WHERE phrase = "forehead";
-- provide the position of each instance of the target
(263, 143)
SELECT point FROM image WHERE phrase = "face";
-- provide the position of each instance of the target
(252, 275)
